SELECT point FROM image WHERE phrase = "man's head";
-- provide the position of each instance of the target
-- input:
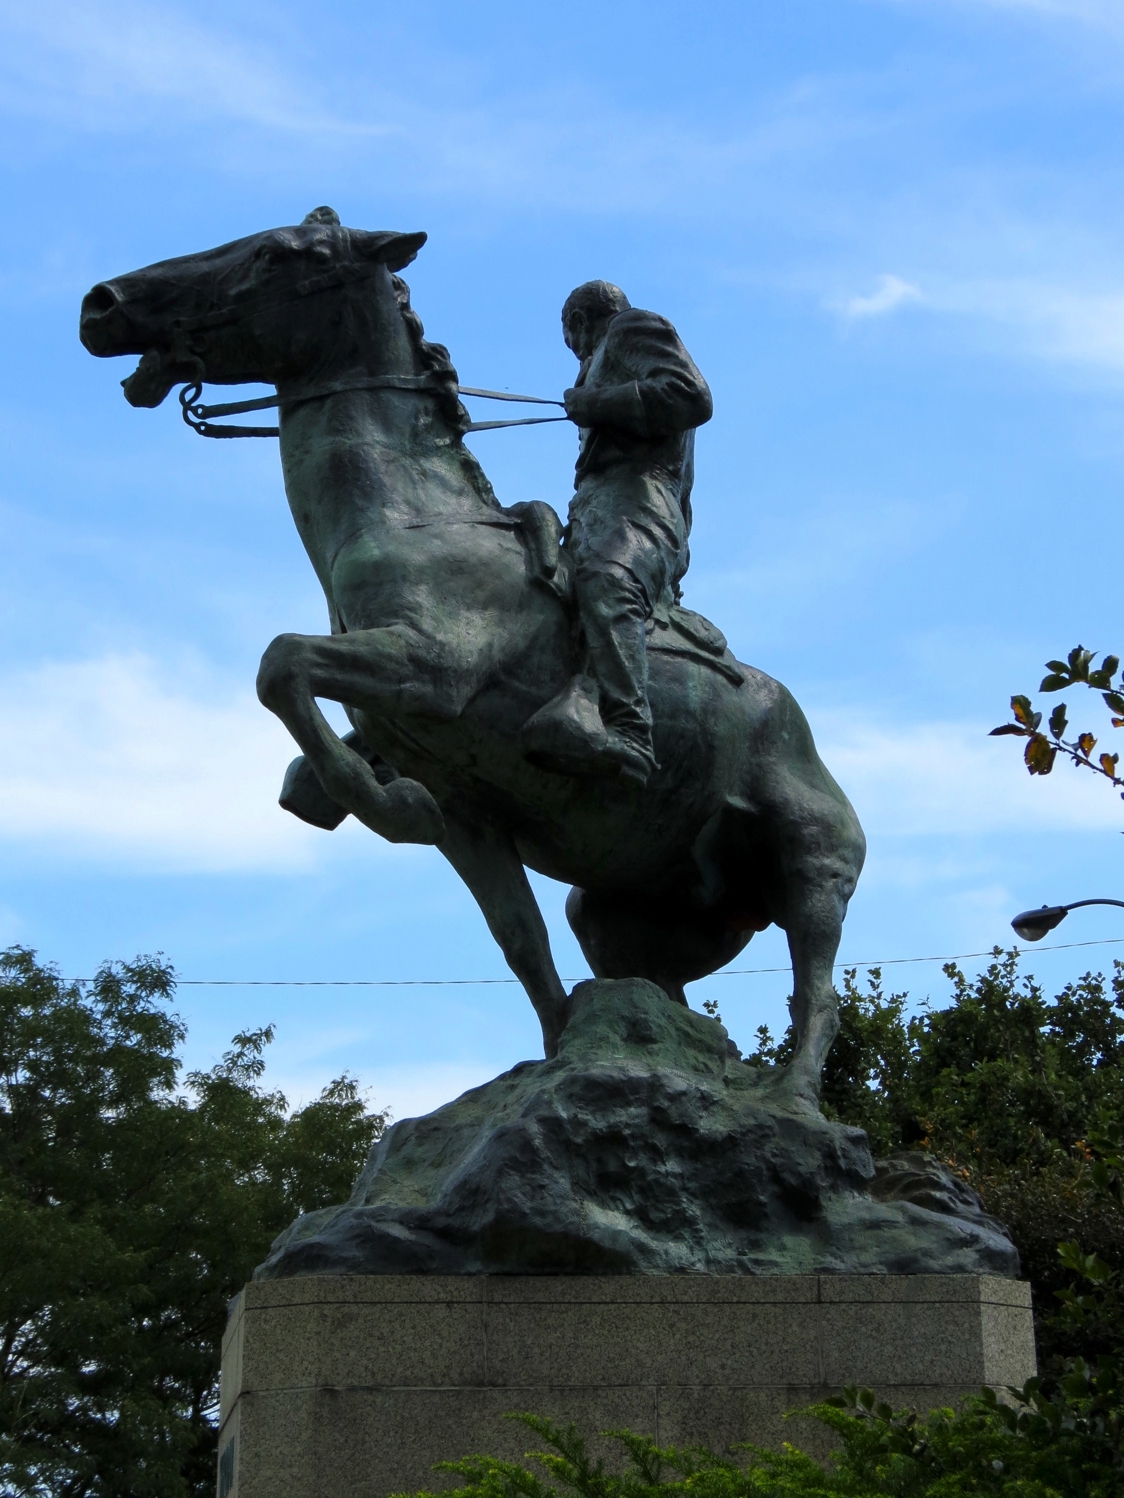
(587, 313)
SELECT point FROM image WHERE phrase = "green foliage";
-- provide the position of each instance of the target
(1089, 1395)
(1033, 1447)
(1042, 749)
(1002, 1077)
(1009, 1088)
(651, 1471)
(1065, 1442)
(1005, 1077)
(130, 1213)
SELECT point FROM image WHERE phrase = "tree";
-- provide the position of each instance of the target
(130, 1212)
(1007, 1087)
(1042, 749)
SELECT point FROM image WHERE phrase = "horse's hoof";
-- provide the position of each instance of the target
(554, 1025)
(401, 812)
(802, 1092)
(409, 814)
(794, 1087)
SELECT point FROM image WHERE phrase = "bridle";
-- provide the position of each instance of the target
(200, 417)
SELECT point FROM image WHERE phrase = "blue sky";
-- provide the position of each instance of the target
(891, 232)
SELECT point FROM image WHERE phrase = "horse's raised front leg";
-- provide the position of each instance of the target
(488, 863)
(370, 666)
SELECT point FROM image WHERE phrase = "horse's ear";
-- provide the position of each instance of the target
(394, 250)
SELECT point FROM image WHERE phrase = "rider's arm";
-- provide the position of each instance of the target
(668, 395)
(608, 406)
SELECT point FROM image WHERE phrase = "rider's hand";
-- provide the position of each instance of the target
(577, 403)
(608, 406)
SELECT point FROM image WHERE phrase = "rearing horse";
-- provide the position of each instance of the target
(450, 628)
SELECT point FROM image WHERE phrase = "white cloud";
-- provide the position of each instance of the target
(136, 67)
(112, 760)
(1091, 12)
(409, 1091)
(939, 779)
(86, 62)
(1052, 321)
(1023, 285)
(892, 292)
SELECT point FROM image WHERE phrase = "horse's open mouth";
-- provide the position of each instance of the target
(151, 381)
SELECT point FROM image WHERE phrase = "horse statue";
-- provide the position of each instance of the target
(451, 628)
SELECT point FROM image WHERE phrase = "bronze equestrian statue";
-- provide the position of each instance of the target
(475, 683)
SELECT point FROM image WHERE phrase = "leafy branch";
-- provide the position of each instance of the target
(1044, 746)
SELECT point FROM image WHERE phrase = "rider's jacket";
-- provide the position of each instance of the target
(638, 400)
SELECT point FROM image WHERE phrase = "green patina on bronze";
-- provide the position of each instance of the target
(499, 674)
(646, 1146)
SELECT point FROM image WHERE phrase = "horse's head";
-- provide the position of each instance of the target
(257, 309)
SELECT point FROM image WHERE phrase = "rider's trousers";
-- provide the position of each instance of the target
(628, 537)
(614, 610)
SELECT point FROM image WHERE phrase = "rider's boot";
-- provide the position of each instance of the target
(601, 724)
(614, 614)
(633, 756)
(569, 737)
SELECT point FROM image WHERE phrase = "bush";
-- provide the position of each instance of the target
(1035, 1448)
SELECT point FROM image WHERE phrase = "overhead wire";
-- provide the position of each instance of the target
(734, 972)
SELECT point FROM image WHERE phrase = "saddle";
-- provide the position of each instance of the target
(675, 630)
(672, 629)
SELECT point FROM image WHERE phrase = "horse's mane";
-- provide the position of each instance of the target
(434, 359)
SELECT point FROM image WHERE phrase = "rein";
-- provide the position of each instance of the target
(200, 418)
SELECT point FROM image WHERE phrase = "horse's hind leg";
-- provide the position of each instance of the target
(356, 668)
(813, 924)
(820, 860)
(487, 861)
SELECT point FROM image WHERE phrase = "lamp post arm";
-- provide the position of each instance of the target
(1032, 925)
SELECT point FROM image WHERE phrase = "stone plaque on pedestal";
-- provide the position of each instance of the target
(355, 1385)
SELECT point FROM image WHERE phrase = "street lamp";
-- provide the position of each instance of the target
(1032, 925)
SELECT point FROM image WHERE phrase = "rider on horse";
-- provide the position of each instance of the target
(637, 400)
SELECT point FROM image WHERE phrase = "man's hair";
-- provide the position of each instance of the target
(596, 299)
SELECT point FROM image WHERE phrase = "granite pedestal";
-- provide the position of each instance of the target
(355, 1385)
